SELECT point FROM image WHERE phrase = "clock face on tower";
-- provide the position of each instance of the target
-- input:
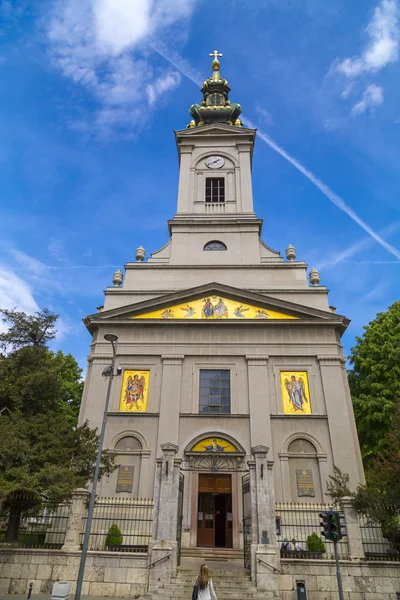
(215, 162)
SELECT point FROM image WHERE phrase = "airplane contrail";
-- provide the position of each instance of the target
(184, 68)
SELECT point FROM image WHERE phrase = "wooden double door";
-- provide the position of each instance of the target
(214, 514)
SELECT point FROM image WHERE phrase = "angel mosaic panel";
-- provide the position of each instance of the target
(134, 393)
(295, 393)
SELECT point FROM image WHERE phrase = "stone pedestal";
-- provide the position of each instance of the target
(354, 537)
(162, 562)
(77, 512)
(267, 567)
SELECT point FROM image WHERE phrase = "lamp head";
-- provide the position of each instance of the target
(110, 337)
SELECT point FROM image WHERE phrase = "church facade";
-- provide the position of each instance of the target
(232, 368)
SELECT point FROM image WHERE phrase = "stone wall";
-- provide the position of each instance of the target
(361, 580)
(116, 574)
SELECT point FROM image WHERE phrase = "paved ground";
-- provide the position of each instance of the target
(194, 564)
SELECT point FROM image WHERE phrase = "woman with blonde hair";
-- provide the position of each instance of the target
(203, 588)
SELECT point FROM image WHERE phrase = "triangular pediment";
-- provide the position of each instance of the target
(215, 302)
(216, 129)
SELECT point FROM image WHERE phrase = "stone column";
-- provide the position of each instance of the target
(168, 429)
(163, 549)
(354, 537)
(77, 512)
(264, 552)
(260, 421)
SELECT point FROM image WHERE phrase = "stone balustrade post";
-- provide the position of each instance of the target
(354, 536)
(77, 512)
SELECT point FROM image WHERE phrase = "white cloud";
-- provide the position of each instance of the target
(372, 97)
(162, 85)
(383, 45)
(15, 293)
(103, 46)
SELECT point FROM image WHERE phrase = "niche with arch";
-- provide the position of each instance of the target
(129, 450)
(304, 471)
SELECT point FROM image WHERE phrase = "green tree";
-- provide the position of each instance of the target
(43, 453)
(375, 381)
(337, 486)
(114, 536)
(27, 330)
(379, 499)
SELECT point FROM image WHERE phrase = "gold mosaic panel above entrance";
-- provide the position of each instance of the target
(214, 308)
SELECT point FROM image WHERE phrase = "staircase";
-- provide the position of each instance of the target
(230, 580)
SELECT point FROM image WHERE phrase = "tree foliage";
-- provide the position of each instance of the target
(114, 536)
(375, 381)
(337, 486)
(43, 453)
(27, 330)
(379, 499)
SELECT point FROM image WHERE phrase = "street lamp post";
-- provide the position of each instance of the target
(108, 373)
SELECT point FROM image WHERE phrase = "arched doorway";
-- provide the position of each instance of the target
(215, 461)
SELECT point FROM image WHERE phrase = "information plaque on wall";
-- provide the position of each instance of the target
(305, 482)
(125, 479)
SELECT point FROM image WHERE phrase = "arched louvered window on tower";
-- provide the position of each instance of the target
(129, 443)
(215, 245)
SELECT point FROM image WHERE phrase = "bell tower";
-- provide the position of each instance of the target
(215, 196)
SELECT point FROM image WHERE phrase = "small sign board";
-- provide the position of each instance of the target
(125, 479)
(305, 482)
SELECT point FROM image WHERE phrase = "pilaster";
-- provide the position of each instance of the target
(260, 421)
(171, 399)
(345, 448)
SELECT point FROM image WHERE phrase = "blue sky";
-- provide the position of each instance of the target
(93, 89)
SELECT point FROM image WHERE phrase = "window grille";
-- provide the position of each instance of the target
(302, 446)
(129, 443)
(215, 246)
(215, 189)
(215, 391)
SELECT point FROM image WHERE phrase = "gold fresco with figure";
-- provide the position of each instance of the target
(134, 393)
(214, 445)
(295, 393)
(214, 308)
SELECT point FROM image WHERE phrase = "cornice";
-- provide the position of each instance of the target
(331, 360)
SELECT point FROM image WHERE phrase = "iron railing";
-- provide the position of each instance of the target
(299, 521)
(379, 545)
(132, 516)
(29, 522)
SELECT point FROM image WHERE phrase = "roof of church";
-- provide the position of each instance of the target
(215, 106)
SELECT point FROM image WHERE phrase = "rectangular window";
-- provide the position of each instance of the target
(215, 189)
(215, 392)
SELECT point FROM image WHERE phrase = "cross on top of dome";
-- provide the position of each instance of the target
(215, 106)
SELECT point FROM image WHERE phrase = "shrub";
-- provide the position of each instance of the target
(114, 536)
(315, 544)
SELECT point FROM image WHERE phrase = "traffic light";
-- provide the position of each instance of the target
(325, 523)
(334, 527)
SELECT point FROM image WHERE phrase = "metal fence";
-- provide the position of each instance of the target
(299, 521)
(379, 545)
(25, 523)
(133, 518)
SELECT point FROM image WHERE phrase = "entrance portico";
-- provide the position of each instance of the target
(214, 463)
